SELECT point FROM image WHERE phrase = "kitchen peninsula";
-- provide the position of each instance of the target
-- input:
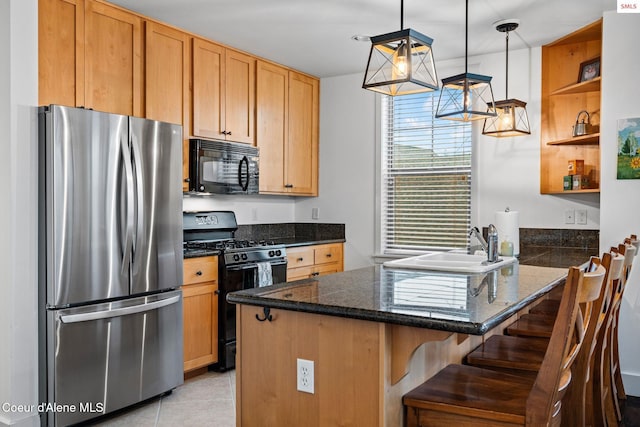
(372, 334)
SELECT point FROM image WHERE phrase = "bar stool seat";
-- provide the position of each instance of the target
(486, 395)
(508, 354)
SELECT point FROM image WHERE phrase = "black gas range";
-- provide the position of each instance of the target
(242, 264)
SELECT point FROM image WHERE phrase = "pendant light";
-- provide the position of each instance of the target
(401, 62)
(467, 96)
(512, 119)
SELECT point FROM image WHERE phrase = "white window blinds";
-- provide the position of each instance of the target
(426, 176)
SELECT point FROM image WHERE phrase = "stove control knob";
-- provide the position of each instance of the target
(236, 257)
(278, 252)
(244, 257)
(272, 253)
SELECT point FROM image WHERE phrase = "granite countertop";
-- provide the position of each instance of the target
(465, 303)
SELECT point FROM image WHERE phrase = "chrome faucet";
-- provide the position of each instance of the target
(490, 247)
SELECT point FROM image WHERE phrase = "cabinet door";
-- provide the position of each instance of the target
(240, 97)
(167, 81)
(301, 171)
(200, 320)
(208, 89)
(113, 61)
(61, 52)
(271, 124)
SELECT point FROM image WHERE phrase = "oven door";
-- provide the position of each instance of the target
(237, 278)
(223, 168)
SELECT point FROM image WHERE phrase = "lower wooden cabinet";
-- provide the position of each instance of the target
(309, 261)
(200, 312)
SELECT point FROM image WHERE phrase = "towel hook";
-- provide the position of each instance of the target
(267, 315)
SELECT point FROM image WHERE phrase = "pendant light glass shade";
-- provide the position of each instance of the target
(401, 63)
(512, 119)
(467, 96)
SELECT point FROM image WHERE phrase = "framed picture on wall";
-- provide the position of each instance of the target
(589, 70)
(628, 148)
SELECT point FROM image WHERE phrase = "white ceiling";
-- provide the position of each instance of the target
(314, 36)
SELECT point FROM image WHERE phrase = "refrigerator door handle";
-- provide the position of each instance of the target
(139, 196)
(118, 312)
(128, 168)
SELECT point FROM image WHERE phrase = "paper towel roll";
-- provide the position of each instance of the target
(508, 229)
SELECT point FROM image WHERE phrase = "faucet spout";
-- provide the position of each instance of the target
(475, 232)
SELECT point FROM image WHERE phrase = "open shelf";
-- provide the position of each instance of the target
(591, 139)
(588, 190)
(582, 87)
(561, 99)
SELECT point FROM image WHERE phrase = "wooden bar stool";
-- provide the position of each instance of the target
(611, 388)
(468, 396)
(524, 355)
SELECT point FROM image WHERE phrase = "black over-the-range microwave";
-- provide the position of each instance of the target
(222, 167)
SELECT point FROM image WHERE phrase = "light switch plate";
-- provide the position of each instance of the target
(569, 216)
(581, 216)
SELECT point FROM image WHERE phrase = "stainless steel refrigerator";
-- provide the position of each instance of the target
(110, 262)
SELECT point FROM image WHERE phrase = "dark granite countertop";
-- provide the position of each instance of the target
(465, 303)
(293, 242)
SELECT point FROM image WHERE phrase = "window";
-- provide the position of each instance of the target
(426, 176)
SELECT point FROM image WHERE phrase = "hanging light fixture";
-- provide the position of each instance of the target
(467, 96)
(512, 119)
(401, 62)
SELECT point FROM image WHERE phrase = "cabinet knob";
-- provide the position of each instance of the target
(314, 274)
(328, 255)
(288, 186)
(217, 292)
(300, 259)
(199, 273)
(187, 180)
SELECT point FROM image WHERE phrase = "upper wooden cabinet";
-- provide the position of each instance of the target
(90, 55)
(61, 52)
(113, 60)
(287, 131)
(563, 97)
(167, 60)
(223, 93)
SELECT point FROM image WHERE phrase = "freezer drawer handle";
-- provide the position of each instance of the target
(106, 314)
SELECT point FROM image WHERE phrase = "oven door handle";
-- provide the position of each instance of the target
(253, 265)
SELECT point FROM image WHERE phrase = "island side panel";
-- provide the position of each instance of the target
(348, 362)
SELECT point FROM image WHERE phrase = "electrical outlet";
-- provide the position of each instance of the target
(581, 216)
(305, 376)
(254, 214)
(569, 216)
(315, 213)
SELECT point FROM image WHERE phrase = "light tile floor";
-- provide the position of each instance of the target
(205, 400)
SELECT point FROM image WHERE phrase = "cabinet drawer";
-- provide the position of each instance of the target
(327, 253)
(321, 270)
(199, 270)
(300, 257)
(299, 273)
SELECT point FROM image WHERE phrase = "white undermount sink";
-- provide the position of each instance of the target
(450, 261)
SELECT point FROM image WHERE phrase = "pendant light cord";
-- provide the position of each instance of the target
(506, 90)
(401, 14)
(466, 37)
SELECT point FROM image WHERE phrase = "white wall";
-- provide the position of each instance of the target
(620, 198)
(18, 219)
(347, 157)
(253, 209)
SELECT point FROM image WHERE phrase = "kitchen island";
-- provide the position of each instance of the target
(372, 334)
